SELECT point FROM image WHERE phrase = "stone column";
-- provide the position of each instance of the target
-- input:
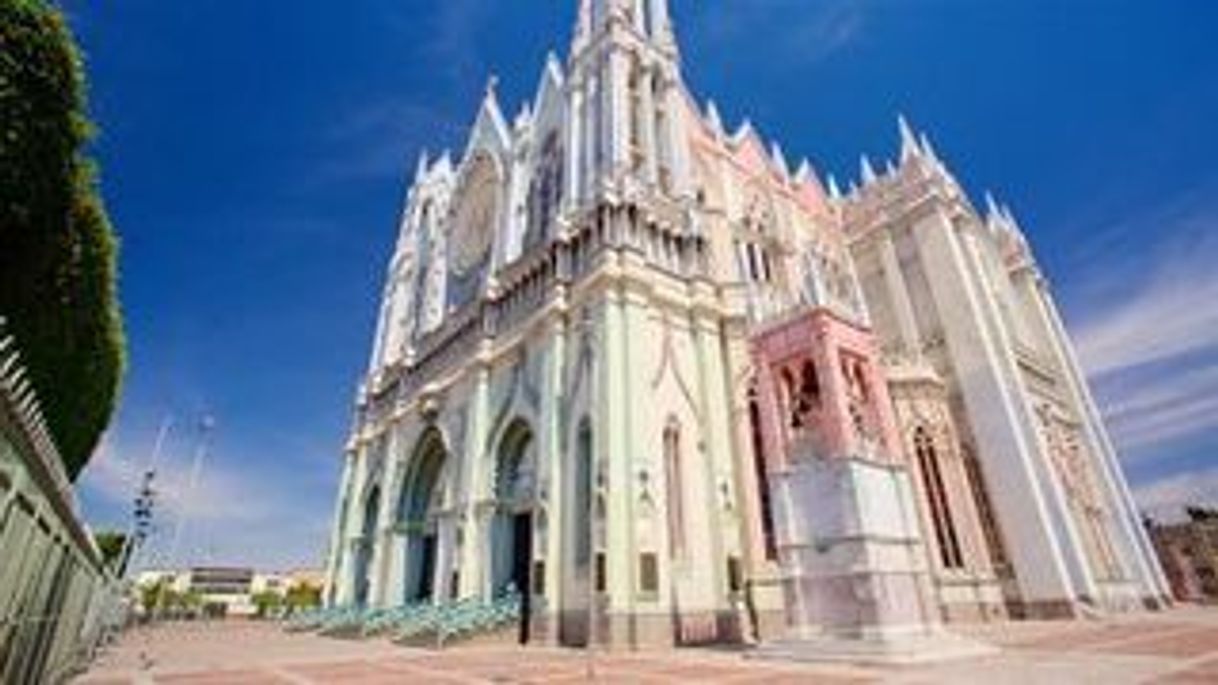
(748, 487)
(552, 461)
(613, 456)
(393, 586)
(898, 294)
(576, 154)
(714, 456)
(475, 577)
(346, 538)
(381, 562)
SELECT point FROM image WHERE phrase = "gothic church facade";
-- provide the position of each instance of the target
(675, 389)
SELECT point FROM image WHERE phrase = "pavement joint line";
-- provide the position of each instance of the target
(1156, 636)
(444, 676)
(193, 650)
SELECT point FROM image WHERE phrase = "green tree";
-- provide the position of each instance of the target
(111, 544)
(58, 253)
(266, 603)
(152, 594)
(302, 596)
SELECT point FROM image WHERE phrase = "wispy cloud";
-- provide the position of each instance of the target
(375, 140)
(1162, 407)
(237, 511)
(1150, 340)
(1171, 314)
(796, 30)
(452, 44)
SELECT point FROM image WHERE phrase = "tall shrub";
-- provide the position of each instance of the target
(58, 253)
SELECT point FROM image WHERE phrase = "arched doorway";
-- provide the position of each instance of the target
(575, 628)
(420, 499)
(512, 529)
(367, 541)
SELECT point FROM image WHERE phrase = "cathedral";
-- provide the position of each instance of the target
(676, 389)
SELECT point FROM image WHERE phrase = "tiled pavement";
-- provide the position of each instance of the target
(1180, 646)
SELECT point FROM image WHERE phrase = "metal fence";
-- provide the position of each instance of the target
(56, 597)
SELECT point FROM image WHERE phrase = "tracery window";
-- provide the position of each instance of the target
(789, 394)
(756, 265)
(583, 495)
(662, 151)
(936, 496)
(809, 387)
(545, 193)
(763, 482)
(637, 117)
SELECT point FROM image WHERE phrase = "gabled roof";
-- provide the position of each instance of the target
(490, 131)
(549, 88)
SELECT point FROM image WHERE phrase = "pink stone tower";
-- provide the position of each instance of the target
(857, 582)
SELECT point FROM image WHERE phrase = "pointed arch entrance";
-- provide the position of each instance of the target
(366, 543)
(515, 493)
(418, 506)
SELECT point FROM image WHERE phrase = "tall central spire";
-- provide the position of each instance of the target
(648, 19)
(626, 101)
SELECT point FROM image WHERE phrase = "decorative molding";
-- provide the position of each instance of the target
(668, 366)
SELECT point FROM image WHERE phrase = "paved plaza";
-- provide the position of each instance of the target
(1175, 647)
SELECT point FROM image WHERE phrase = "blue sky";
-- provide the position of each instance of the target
(254, 154)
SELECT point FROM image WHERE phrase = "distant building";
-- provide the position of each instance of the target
(225, 591)
(220, 582)
(1189, 554)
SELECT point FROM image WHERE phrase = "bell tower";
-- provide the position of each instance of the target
(848, 534)
(626, 116)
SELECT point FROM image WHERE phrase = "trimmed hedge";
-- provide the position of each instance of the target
(58, 253)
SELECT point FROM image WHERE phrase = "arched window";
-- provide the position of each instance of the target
(763, 482)
(545, 193)
(936, 495)
(790, 394)
(809, 386)
(583, 494)
(860, 381)
(676, 495)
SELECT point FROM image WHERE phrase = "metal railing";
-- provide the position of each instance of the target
(56, 597)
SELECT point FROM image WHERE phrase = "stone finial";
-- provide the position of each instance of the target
(1012, 222)
(909, 143)
(991, 207)
(780, 160)
(927, 148)
(866, 171)
(713, 118)
(421, 167)
(803, 172)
